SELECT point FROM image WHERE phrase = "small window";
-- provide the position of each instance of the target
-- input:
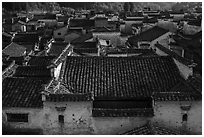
(59, 33)
(185, 117)
(61, 119)
(17, 117)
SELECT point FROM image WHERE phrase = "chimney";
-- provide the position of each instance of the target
(12, 21)
(52, 71)
(43, 97)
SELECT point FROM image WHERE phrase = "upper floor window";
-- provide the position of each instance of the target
(61, 119)
(185, 117)
(17, 117)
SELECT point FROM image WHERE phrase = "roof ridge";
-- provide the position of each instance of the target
(173, 54)
(125, 58)
(14, 44)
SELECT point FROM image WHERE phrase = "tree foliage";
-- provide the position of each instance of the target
(98, 6)
(126, 6)
(132, 6)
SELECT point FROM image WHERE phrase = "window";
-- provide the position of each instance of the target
(61, 119)
(185, 117)
(17, 117)
(59, 33)
(123, 104)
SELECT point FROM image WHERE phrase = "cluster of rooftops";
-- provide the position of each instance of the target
(98, 78)
(143, 76)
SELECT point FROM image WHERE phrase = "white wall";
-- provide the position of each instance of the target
(57, 71)
(114, 37)
(49, 22)
(169, 114)
(185, 71)
(160, 38)
(35, 117)
(79, 120)
(63, 32)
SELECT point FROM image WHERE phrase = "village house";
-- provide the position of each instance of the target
(192, 45)
(126, 52)
(72, 35)
(29, 40)
(101, 22)
(148, 38)
(73, 72)
(84, 52)
(112, 36)
(8, 68)
(6, 39)
(19, 26)
(75, 108)
(15, 50)
(50, 23)
(23, 110)
(184, 65)
(86, 24)
(177, 16)
(68, 106)
(59, 33)
(56, 48)
(34, 25)
(129, 21)
(83, 38)
(152, 13)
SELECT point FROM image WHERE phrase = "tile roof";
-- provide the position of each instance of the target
(5, 34)
(5, 44)
(21, 22)
(129, 51)
(14, 50)
(18, 60)
(121, 78)
(86, 45)
(85, 51)
(148, 54)
(33, 71)
(153, 129)
(195, 82)
(62, 57)
(22, 92)
(174, 55)
(105, 29)
(181, 91)
(82, 38)
(85, 23)
(26, 37)
(28, 45)
(8, 68)
(5, 57)
(189, 37)
(41, 60)
(149, 35)
(150, 20)
(57, 48)
(7, 63)
(134, 19)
